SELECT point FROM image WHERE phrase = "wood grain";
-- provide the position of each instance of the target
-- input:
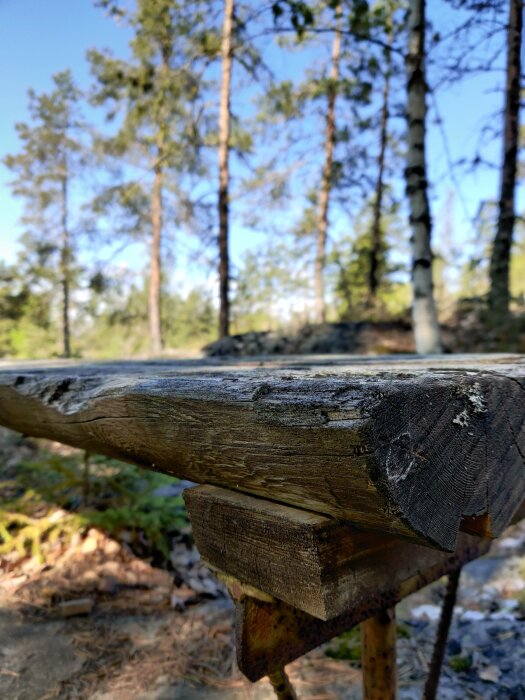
(313, 562)
(270, 634)
(378, 656)
(304, 558)
(404, 446)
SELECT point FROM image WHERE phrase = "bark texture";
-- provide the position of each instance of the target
(65, 272)
(424, 316)
(411, 448)
(224, 173)
(155, 260)
(326, 181)
(499, 295)
(376, 244)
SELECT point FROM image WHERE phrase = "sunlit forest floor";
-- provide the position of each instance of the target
(102, 596)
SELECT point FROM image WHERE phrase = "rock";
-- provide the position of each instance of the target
(430, 612)
(453, 647)
(111, 547)
(473, 615)
(325, 338)
(174, 489)
(501, 615)
(91, 543)
(490, 674)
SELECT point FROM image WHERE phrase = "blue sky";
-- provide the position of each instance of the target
(41, 37)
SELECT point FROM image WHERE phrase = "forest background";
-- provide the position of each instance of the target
(149, 204)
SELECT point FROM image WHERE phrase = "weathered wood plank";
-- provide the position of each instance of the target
(271, 633)
(408, 446)
(311, 561)
(304, 558)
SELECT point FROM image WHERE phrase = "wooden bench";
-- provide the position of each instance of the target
(331, 487)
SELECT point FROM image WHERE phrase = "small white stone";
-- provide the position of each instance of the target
(430, 612)
(490, 674)
(501, 615)
(473, 615)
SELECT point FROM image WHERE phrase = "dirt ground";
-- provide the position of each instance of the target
(147, 638)
(155, 634)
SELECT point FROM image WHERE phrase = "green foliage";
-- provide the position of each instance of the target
(350, 265)
(267, 276)
(347, 646)
(26, 534)
(190, 321)
(45, 171)
(54, 496)
(158, 93)
(460, 664)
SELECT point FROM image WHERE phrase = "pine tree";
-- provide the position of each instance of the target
(376, 243)
(499, 294)
(224, 175)
(327, 175)
(45, 171)
(159, 96)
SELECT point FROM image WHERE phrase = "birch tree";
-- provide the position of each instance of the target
(424, 315)
(499, 294)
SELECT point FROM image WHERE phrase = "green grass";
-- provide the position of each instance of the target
(348, 645)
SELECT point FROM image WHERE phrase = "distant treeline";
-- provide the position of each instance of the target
(304, 122)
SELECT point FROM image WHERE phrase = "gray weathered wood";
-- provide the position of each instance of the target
(311, 561)
(307, 559)
(405, 446)
(270, 633)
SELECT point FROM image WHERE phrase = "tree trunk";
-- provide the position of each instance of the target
(65, 259)
(224, 175)
(155, 265)
(499, 295)
(376, 244)
(424, 316)
(326, 183)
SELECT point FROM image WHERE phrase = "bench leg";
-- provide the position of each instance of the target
(438, 655)
(281, 685)
(378, 656)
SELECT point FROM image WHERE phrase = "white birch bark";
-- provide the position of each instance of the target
(424, 316)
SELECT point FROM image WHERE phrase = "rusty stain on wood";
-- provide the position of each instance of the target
(378, 655)
(270, 635)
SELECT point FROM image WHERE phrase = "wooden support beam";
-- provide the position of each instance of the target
(310, 561)
(378, 656)
(270, 633)
(410, 447)
(281, 685)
